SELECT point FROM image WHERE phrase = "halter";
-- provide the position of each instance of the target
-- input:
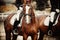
(27, 14)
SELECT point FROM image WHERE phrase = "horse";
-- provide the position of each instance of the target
(9, 27)
(44, 29)
(29, 24)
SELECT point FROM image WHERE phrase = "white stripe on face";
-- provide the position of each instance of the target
(27, 16)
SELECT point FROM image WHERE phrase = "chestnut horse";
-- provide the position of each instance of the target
(29, 24)
(9, 28)
(44, 29)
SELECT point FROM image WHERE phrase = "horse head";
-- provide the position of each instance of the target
(28, 14)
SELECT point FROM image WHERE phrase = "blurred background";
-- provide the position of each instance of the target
(11, 6)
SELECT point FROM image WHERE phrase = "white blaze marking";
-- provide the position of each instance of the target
(27, 16)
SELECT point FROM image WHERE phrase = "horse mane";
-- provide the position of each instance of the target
(33, 15)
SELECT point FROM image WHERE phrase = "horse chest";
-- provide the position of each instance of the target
(29, 29)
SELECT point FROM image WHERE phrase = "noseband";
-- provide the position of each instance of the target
(27, 14)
